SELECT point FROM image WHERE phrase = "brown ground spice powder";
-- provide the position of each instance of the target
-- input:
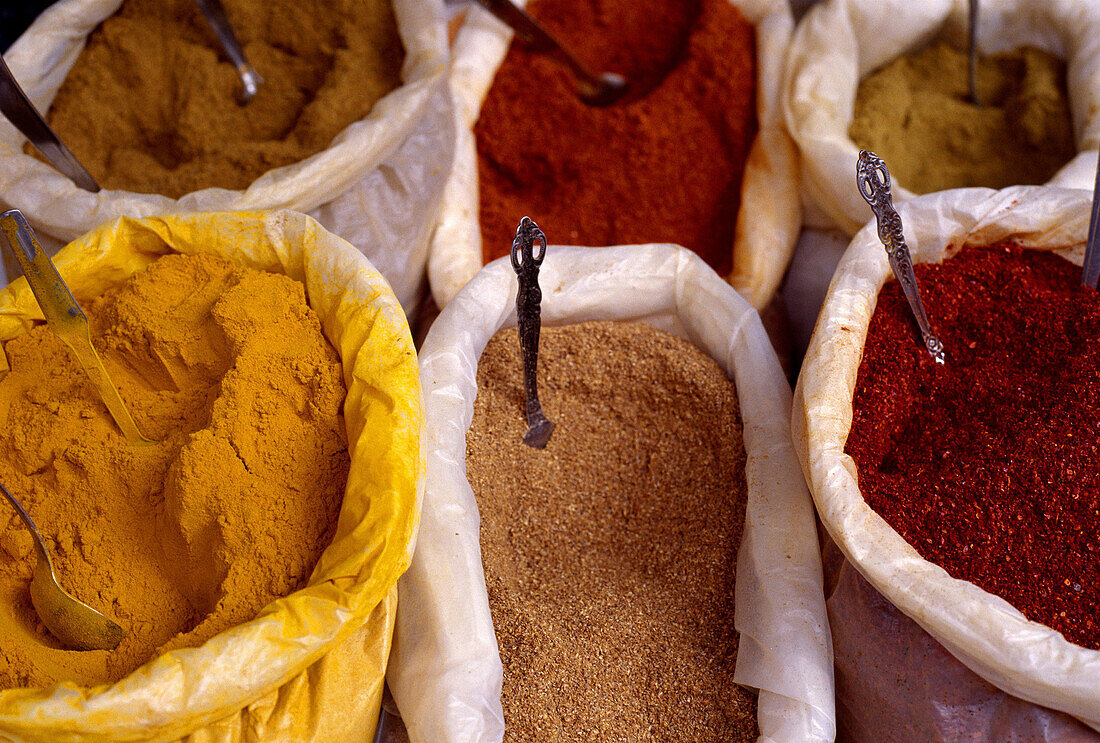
(151, 103)
(610, 555)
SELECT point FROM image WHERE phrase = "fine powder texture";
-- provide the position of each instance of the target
(610, 555)
(665, 165)
(915, 113)
(151, 104)
(988, 465)
(226, 369)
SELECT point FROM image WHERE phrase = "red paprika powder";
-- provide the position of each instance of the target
(664, 165)
(989, 466)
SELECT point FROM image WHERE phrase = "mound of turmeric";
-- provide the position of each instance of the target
(227, 370)
(151, 103)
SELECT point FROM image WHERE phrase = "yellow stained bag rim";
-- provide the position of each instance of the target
(182, 690)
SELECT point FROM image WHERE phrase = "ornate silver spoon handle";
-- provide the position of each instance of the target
(873, 180)
(525, 262)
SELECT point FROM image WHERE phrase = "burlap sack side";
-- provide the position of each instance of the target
(993, 639)
(445, 671)
(770, 214)
(839, 42)
(378, 185)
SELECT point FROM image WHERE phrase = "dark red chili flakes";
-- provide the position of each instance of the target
(990, 466)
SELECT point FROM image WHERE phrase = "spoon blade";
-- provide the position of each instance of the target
(77, 625)
(64, 315)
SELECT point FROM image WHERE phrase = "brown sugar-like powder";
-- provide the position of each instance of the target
(610, 555)
(151, 104)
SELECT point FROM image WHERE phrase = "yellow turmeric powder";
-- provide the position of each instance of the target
(226, 369)
(150, 105)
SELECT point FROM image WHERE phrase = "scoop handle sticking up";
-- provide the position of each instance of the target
(64, 316)
(1090, 271)
(873, 180)
(525, 262)
(18, 109)
(219, 24)
(972, 53)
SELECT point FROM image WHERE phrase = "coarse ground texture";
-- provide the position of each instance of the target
(610, 555)
(665, 165)
(915, 113)
(151, 104)
(226, 369)
(987, 465)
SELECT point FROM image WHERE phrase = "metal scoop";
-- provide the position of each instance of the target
(873, 180)
(77, 625)
(18, 109)
(1090, 271)
(219, 22)
(64, 316)
(595, 90)
(972, 53)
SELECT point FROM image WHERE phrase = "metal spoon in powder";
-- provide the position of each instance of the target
(528, 312)
(873, 180)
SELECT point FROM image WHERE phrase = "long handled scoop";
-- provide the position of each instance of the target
(77, 625)
(219, 22)
(18, 109)
(64, 316)
(595, 90)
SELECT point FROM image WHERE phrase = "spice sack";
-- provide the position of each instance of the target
(769, 216)
(378, 184)
(309, 666)
(1017, 657)
(445, 671)
(839, 42)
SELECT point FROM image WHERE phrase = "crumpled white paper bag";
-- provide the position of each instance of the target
(378, 185)
(770, 213)
(841, 41)
(445, 672)
(1025, 659)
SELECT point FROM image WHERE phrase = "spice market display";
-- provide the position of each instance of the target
(225, 542)
(228, 373)
(170, 122)
(608, 172)
(585, 504)
(624, 577)
(914, 112)
(351, 122)
(1005, 497)
(891, 76)
(695, 142)
(583, 607)
(964, 493)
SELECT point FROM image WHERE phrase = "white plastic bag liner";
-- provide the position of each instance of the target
(770, 213)
(1025, 659)
(841, 41)
(445, 672)
(378, 185)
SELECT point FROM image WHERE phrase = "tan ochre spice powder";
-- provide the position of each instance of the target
(151, 103)
(610, 555)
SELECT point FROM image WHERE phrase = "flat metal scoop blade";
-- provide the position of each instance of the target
(64, 316)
